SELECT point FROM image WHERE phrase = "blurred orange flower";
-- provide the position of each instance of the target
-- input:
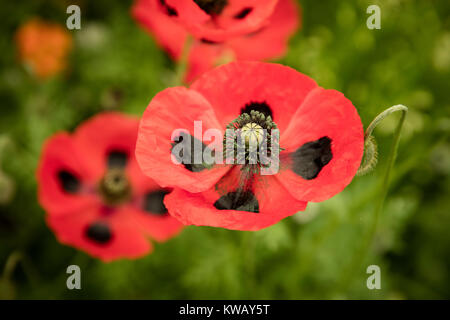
(43, 47)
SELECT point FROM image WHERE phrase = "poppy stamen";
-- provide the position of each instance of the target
(115, 187)
(253, 132)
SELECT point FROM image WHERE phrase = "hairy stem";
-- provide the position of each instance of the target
(390, 160)
(366, 245)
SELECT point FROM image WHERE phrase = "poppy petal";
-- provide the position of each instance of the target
(270, 42)
(175, 110)
(242, 17)
(239, 86)
(106, 236)
(234, 18)
(114, 145)
(63, 176)
(268, 198)
(105, 134)
(323, 145)
(157, 18)
(159, 226)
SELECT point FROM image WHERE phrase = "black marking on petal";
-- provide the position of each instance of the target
(243, 13)
(238, 200)
(170, 11)
(154, 202)
(262, 107)
(310, 158)
(117, 159)
(189, 164)
(207, 41)
(68, 181)
(99, 232)
(212, 6)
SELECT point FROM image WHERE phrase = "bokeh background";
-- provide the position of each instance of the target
(316, 254)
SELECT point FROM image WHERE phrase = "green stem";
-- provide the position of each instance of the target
(361, 254)
(383, 115)
(182, 64)
(390, 160)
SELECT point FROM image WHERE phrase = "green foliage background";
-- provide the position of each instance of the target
(315, 254)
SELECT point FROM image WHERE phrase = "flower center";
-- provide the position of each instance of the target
(249, 140)
(212, 6)
(115, 187)
(252, 133)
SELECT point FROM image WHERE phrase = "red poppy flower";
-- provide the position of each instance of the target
(218, 20)
(321, 136)
(95, 195)
(268, 42)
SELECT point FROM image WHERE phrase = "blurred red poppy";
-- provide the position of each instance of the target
(43, 47)
(269, 41)
(218, 20)
(95, 195)
(321, 136)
